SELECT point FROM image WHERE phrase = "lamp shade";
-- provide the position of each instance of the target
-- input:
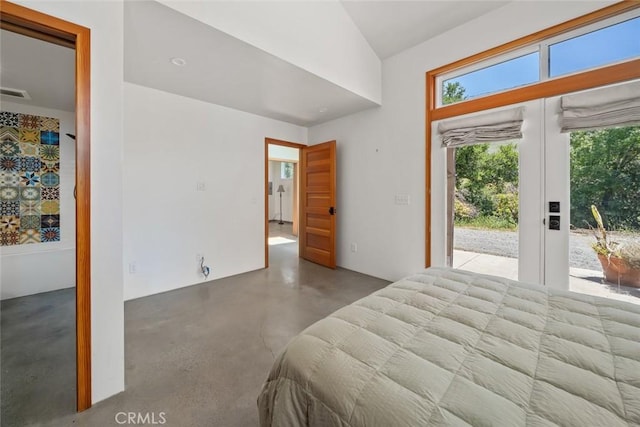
(280, 189)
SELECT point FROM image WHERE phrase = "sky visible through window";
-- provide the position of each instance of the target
(608, 45)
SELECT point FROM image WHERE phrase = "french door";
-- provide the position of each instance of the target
(525, 245)
(553, 240)
(598, 167)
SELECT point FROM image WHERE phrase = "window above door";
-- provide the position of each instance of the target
(610, 41)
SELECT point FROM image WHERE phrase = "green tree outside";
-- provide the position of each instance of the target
(605, 171)
(486, 179)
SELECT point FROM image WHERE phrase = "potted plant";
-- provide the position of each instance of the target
(620, 262)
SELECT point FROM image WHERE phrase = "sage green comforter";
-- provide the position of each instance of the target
(453, 348)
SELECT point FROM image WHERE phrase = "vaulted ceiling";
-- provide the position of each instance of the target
(393, 26)
(236, 69)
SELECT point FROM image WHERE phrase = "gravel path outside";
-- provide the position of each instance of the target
(505, 243)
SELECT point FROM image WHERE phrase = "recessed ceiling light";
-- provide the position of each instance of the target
(324, 110)
(180, 62)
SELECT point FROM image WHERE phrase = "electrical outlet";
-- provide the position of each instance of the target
(133, 268)
(201, 186)
(354, 247)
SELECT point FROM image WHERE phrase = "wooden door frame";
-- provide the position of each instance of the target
(589, 79)
(38, 25)
(267, 142)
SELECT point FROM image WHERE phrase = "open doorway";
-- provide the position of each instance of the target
(282, 184)
(37, 229)
(36, 25)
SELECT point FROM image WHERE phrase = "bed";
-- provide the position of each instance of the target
(451, 348)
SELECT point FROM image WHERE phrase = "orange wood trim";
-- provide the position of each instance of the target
(427, 181)
(80, 36)
(268, 141)
(37, 22)
(581, 21)
(36, 34)
(83, 217)
(586, 80)
(284, 143)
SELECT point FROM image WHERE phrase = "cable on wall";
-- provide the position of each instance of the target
(205, 269)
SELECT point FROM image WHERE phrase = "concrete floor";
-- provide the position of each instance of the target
(198, 355)
(581, 280)
(37, 357)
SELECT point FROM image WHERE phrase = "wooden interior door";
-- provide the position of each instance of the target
(318, 204)
(294, 193)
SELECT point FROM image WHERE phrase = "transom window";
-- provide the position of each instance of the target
(604, 43)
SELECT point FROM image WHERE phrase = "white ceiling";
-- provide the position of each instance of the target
(46, 71)
(393, 26)
(224, 70)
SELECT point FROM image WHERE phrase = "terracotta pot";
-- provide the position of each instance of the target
(617, 269)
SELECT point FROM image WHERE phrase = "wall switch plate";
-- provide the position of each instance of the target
(354, 247)
(402, 199)
(201, 186)
(133, 268)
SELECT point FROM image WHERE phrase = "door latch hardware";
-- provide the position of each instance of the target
(554, 222)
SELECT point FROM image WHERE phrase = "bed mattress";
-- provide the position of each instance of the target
(452, 348)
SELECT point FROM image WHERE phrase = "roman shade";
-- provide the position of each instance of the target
(601, 108)
(495, 126)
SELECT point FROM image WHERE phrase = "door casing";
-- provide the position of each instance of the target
(54, 30)
(602, 76)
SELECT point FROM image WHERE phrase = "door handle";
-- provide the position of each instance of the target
(332, 210)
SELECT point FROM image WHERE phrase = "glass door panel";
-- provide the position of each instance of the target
(487, 198)
(599, 168)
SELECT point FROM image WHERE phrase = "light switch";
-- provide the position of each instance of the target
(402, 199)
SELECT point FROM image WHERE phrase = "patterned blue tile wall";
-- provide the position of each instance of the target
(29, 179)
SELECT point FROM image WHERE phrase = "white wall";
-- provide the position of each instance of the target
(54, 261)
(167, 221)
(319, 37)
(381, 152)
(105, 19)
(282, 152)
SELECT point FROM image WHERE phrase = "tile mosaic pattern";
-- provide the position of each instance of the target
(29, 179)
